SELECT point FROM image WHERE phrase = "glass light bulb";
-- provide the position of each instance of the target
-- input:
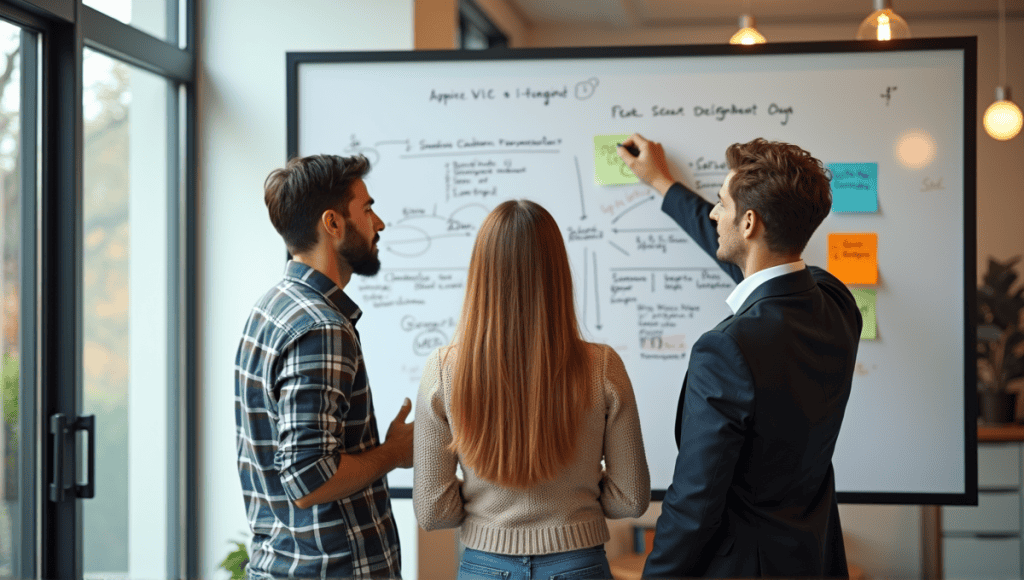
(1003, 120)
(883, 24)
(884, 32)
(747, 36)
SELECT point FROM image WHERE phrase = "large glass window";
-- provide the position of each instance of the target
(125, 249)
(96, 368)
(10, 295)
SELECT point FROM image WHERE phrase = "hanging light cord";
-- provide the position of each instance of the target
(1002, 43)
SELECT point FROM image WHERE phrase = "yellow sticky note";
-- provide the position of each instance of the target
(866, 300)
(609, 168)
(853, 258)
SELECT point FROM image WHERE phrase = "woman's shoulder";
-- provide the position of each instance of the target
(601, 353)
(437, 366)
(607, 368)
(442, 356)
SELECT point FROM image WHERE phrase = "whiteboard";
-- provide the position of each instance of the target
(451, 134)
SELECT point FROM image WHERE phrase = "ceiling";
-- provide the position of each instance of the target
(657, 13)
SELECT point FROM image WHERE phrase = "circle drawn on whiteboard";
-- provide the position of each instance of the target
(585, 89)
(427, 341)
(915, 148)
(410, 243)
(479, 208)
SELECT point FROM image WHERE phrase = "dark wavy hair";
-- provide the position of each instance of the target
(300, 192)
(787, 188)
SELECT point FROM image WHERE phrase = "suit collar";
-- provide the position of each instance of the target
(792, 283)
(752, 282)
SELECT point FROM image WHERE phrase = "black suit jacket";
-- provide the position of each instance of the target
(753, 493)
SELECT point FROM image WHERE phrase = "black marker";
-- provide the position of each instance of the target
(631, 148)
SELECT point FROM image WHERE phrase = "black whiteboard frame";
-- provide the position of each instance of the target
(969, 50)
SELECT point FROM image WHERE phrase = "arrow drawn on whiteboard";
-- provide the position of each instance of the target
(618, 247)
(643, 230)
(419, 217)
(597, 298)
(632, 207)
(579, 179)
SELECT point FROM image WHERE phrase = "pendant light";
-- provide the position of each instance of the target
(1003, 118)
(747, 34)
(883, 24)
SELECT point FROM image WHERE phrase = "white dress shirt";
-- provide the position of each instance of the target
(745, 288)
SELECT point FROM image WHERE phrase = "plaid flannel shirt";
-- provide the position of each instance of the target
(301, 399)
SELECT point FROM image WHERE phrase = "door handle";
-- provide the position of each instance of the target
(63, 432)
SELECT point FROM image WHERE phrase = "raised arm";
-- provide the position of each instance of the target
(689, 210)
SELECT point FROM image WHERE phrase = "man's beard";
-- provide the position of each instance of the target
(358, 253)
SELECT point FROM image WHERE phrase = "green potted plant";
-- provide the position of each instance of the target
(235, 561)
(1000, 341)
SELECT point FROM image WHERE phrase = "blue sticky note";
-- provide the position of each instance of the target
(854, 187)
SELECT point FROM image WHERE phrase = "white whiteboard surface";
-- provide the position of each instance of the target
(524, 128)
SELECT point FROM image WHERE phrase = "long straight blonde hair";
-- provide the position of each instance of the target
(521, 379)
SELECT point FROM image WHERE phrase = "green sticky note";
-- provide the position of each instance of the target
(609, 168)
(866, 302)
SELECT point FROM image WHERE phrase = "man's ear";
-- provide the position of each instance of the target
(750, 223)
(333, 224)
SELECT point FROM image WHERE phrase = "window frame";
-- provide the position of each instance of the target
(51, 265)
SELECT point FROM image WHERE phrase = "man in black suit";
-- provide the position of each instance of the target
(753, 492)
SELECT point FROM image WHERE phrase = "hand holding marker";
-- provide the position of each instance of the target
(631, 148)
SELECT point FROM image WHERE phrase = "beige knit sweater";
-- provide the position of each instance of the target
(567, 513)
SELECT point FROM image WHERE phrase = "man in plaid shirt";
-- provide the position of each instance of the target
(310, 460)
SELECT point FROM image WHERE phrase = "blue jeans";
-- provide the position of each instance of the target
(585, 564)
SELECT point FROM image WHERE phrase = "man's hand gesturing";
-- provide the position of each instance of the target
(399, 436)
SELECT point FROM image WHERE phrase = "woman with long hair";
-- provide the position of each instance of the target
(529, 410)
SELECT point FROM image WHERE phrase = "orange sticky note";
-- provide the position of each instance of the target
(853, 258)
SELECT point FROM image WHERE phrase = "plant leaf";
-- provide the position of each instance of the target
(1001, 276)
(235, 562)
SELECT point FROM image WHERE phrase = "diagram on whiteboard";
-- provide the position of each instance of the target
(637, 273)
(451, 139)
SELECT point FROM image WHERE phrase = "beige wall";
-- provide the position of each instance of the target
(435, 24)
